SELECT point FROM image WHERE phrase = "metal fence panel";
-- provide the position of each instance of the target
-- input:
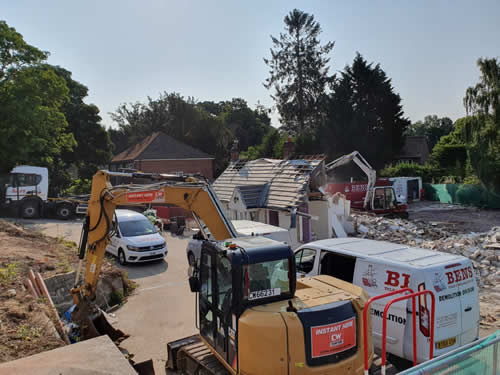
(478, 358)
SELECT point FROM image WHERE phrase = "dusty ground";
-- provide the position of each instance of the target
(464, 219)
(25, 323)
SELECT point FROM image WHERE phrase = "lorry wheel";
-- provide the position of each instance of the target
(121, 257)
(64, 211)
(30, 210)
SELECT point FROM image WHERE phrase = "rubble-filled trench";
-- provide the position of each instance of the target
(483, 249)
(28, 324)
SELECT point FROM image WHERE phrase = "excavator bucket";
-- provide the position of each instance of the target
(92, 322)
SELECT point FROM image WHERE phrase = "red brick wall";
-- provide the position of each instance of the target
(203, 166)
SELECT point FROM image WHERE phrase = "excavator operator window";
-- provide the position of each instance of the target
(267, 279)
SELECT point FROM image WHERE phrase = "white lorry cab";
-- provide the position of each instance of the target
(25, 191)
(380, 267)
(245, 228)
(135, 239)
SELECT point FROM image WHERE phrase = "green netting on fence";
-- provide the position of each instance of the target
(474, 195)
(475, 359)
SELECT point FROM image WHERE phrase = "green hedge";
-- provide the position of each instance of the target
(474, 195)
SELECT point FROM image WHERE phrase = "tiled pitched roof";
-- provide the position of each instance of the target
(287, 180)
(415, 147)
(160, 146)
(253, 195)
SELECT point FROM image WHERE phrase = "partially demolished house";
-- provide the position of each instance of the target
(268, 190)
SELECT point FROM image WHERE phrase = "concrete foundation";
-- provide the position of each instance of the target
(92, 357)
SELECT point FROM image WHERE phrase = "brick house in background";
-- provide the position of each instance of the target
(160, 153)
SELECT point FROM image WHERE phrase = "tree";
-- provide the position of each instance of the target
(481, 131)
(363, 113)
(32, 125)
(433, 128)
(299, 72)
(93, 144)
(15, 53)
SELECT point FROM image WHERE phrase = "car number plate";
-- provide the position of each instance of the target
(264, 293)
(446, 343)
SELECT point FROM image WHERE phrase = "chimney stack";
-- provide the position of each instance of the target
(235, 151)
(288, 149)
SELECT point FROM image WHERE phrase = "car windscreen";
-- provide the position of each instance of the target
(135, 228)
(266, 279)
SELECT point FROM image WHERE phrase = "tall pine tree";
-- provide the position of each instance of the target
(299, 72)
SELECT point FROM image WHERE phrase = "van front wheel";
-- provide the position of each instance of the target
(121, 257)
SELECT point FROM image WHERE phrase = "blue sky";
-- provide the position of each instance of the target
(212, 50)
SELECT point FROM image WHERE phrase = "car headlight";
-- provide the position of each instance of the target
(133, 248)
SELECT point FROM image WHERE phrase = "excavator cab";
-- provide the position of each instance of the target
(233, 276)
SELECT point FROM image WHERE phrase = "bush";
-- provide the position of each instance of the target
(428, 172)
(79, 186)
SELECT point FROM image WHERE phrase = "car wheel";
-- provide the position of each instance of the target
(30, 209)
(191, 259)
(121, 257)
(64, 211)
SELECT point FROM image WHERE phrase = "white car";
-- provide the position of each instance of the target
(244, 228)
(136, 239)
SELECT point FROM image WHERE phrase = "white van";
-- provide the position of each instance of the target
(380, 267)
(136, 239)
(245, 228)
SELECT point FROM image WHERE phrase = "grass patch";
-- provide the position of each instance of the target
(116, 297)
(9, 273)
(27, 333)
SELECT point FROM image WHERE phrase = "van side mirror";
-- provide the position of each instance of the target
(194, 284)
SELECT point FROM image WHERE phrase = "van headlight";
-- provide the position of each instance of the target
(133, 248)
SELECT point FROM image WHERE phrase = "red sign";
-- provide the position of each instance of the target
(395, 279)
(333, 338)
(153, 196)
(459, 275)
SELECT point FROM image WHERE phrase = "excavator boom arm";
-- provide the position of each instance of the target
(361, 162)
(194, 196)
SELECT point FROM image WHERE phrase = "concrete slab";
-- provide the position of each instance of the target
(97, 356)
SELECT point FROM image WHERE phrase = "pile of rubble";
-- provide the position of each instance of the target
(482, 248)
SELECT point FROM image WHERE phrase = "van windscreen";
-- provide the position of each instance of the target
(135, 228)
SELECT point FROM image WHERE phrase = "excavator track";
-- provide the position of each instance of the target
(191, 356)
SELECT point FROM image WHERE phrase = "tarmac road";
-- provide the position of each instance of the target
(161, 309)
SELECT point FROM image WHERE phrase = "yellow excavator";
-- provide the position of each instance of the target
(254, 316)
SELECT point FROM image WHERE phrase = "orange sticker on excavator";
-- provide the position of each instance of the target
(152, 196)
(333, 338)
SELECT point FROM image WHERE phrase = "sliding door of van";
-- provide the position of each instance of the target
(379, 278)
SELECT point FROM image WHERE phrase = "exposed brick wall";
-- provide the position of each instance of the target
(204, 166)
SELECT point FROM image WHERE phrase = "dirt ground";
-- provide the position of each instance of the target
(26, 324)
(464, 219)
